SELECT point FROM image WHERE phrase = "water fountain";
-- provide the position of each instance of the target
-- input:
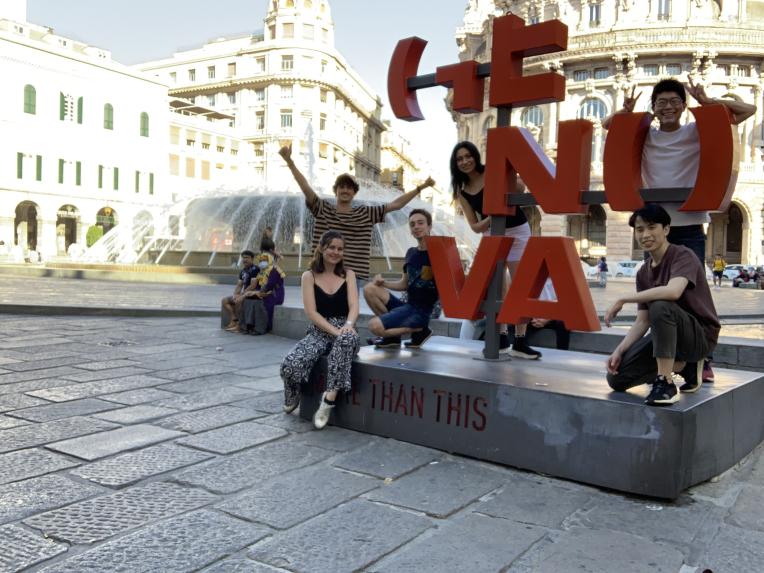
(210, 229)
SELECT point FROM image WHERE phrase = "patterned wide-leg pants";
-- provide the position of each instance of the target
(297, 365)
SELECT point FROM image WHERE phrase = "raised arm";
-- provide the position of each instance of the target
(307, 190)
(402, 200)
(740, 110)
(629, 102)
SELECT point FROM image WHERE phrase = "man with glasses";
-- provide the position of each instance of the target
(671, 155)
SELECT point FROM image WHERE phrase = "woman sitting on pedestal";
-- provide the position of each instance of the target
(265, 292)
(330, 300)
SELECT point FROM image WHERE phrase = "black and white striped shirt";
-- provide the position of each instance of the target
(356, 226)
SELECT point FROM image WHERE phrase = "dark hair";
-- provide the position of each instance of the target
(317, 263)
(346, 180)
(267, 245)
(651, 213)
(248, 253)
(459, 179)
(423, 212)
(669, 85)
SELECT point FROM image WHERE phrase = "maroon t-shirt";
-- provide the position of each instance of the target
(679, 261)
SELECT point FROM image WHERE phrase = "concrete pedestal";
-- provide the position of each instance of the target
(556, 416)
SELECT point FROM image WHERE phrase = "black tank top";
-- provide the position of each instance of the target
(332, 305)
(476, 202)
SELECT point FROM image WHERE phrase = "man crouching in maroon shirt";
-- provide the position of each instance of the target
(674, 302)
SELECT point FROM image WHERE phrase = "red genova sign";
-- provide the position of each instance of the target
(557, 187)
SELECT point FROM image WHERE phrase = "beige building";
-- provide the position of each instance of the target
(615, 45)
(286, 85)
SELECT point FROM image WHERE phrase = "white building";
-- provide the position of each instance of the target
(288, 85)
(618, 44)
(84, 139)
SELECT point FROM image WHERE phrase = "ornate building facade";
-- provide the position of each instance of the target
(617, 45)
(287, 85)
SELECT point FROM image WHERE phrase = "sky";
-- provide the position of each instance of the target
(366, 32)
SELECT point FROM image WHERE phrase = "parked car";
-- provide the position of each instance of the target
(732, 271)
(627, 268)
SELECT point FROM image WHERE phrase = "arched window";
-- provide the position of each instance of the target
(108, 116)
(144, 124)
(30, 100)
(532, 115)
(592, 107)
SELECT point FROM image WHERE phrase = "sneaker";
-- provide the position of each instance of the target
(663, 392)
(290, 407)
(708, 373)
(520, 349)
(233, 327)
(321, 417)
(419, 338)
(386, 342)
(692, 377)
(504, 342)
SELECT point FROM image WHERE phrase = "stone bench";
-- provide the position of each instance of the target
(556, 416)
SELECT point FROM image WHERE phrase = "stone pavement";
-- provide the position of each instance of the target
(145, 444)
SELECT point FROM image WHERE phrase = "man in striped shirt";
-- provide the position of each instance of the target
(356, 223)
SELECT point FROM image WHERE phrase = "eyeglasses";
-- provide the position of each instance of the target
(674, 102)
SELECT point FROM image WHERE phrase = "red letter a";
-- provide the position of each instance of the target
(555, 258)
(460, 296)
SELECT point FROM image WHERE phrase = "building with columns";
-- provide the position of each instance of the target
(617, 45)
(285, 86)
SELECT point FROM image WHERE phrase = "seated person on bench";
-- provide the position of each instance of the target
(395, 318)
(265, 292)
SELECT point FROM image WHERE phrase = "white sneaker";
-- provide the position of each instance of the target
(321, 417)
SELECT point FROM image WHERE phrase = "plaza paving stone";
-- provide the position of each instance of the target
(358, 533)
(235, 565)
(140, 396)
(135, 414)
(433, 513)
(206, 383)
(23, 464)
(129, 468)
(23, 498)
(242, 470)
(49, 412)
(475, 542)
(97, 519)
(39, 434)
(440, 488)
(10, 402)
(104, 444)
(177, 545)
(89, 389)
(8, 422)
(92, 376)
(20, 549)
(601, 551)
(336, 439)
(206, 398)
(288, 500)
(233, 438)
(535, 500)
(387, 459)
(208, 419)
